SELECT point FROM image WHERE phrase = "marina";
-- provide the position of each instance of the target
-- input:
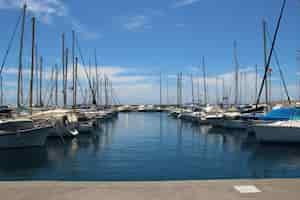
(148, 104)
(152, 146)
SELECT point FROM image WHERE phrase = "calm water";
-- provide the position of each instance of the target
(151, 146)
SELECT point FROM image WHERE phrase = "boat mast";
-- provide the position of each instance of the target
(105, 91)
(32, 62)
(192, 81)
(75, 82)
(66, 78)
(270, 86)
(271, 52)
(264, 23)
(217, 92)
(180, 88)
(1, 84)
(73, 67)
(97, 77)
(56, 85)
(298, 62)
(91, 80)
(41, 80)
(167, 90)
(256, 79)
(160, 89)
(36, 76)
(236, 101)
(177, 90)
(20, 58)
(198, 89)
(63, 65)
(204, 80)
(223, 91)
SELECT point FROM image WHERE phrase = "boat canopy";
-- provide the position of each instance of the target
(292, 113)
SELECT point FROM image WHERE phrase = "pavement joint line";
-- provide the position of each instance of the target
(246, 189)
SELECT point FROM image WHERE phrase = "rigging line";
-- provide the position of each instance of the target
(85, 71)
(280, 71)
(81, 89)
(10, 44)
(51, 90)
(271, 52)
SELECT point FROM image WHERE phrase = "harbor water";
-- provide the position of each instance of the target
(148, 147)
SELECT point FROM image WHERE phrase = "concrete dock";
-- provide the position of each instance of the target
(273, 189)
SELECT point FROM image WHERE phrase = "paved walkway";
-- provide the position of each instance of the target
(284, 189)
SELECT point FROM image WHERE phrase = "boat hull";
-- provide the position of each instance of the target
(277, 134)
(35, 137)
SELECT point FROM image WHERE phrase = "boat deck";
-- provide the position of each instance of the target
(273, 189)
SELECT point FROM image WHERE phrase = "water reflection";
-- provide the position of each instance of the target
(151, 146)
(13, 160)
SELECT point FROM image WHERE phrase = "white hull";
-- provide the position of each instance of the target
(28, 138)
(277, 134)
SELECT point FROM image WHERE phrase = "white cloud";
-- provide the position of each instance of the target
(182, 3)
(84, 31)
(45, 10)
(137, 23)
(134, 86)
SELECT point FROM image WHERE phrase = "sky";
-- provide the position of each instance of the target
(136, 40)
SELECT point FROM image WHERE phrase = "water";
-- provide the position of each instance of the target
(152, 146)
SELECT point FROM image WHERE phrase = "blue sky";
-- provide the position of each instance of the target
(136, 40)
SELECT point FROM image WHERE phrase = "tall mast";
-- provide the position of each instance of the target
(160, 90)
(63, 65)
(73, 67)
(1, 85)
(217, 92)
(105, 91)
(100, 90)
(32, 62)
(177, 93)
(36, 75)
(75, 82)
(271, 51)
(97, 77)
(20, 58)
(66, 78)
(41, 81)
(204, 81)
(192, 81)
(265, 58)
(236, 74)
(256, 79)
(298, 62)
(270, 86)
(223, 91)
(198, 90)
(91, 80)
(56, 85)
(167, 90)
(111, 93)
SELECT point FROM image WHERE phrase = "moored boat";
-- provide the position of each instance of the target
(21, 133)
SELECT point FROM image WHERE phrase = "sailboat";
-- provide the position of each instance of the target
(21, 132)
